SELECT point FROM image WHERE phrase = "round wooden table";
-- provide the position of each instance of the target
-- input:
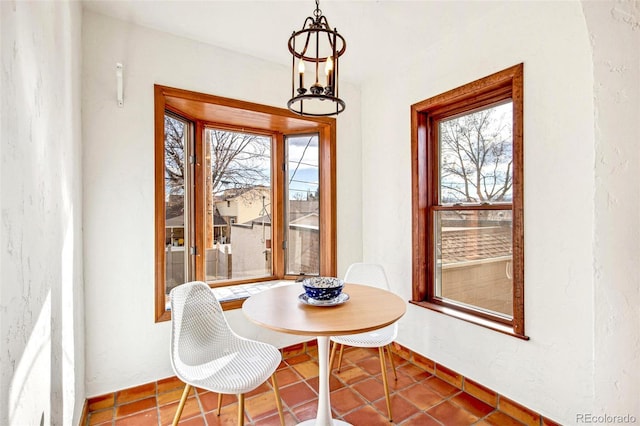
(368, 308)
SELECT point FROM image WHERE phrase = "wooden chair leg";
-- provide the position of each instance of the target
(276, 391)
(241, 409)
(384, 380)
(340, 357)
(393, 365)
(185, 394)
(333, 354)
(219, 403)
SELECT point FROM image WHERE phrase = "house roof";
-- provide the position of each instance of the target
(469, 244)
(232, 193)
(218, 220)
(175, 218)
(311, 219)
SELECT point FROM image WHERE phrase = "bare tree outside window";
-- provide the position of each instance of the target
(174, 147)
(476, 156)
(175, 143)
(238, 160)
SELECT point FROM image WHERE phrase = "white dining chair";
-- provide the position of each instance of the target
(373, 275)
(206, 353)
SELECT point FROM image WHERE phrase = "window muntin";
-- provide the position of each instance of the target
(302, 211)
(468, 252)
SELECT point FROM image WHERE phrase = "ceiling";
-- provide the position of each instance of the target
(375, 31)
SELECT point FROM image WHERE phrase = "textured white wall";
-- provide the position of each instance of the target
(41, 296)
(124, 345)
(581, 213)
(553, 372)
(614, 30)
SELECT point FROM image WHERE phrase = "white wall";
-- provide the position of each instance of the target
(124, 345)
(553, 372)
(41, 295)
(581, 213)
(615, 37)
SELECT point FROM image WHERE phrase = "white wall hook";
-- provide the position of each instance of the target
(120, 86)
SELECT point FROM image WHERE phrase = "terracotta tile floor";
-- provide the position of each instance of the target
(357, 396)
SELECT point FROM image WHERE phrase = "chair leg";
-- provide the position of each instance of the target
(333, 354)
(340, 357)
(241, 409)
(185, 394)
(219, 403)
(276, 391)
(384, 380)
(393, 365)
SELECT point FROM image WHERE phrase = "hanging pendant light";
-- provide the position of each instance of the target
(316, 50)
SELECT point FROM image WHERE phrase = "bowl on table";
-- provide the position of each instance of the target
(322, 288)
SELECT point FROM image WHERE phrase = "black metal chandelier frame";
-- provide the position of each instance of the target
(316, 31)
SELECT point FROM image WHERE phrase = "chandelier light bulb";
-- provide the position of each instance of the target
(301, 73)
(329, 66)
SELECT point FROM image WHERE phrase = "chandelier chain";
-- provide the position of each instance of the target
(317, 13)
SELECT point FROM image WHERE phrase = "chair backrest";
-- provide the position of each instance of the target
(367, 273)
(199, 329)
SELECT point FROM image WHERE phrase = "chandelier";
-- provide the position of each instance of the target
(316, 50)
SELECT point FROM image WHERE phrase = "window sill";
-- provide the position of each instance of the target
(492, 325)
(233, 296)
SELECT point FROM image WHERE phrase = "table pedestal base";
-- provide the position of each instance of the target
(324, 404)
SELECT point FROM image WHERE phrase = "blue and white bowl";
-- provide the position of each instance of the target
(322, 288)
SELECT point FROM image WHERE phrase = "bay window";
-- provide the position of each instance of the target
(244, 193)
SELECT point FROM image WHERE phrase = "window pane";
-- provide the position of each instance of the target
(302, 206)
(238, 205)
(474, 259)
(175, 143)
(476, 157)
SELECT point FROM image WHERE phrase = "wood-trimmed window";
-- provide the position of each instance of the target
(467, 202)
(244, 193)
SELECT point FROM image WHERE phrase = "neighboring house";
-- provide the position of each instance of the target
(253, 240)
(241, 242)
(243, 204)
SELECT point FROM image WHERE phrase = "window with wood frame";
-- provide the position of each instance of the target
(244, 193)
(467, 202)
